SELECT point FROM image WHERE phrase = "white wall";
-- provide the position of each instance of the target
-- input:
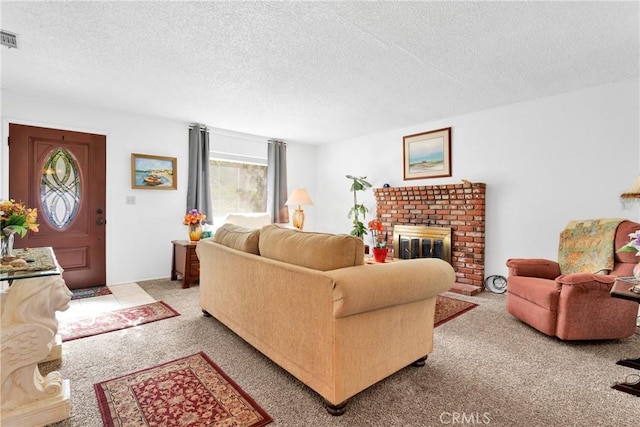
(138, 236)
(301, 166)
(545, 162)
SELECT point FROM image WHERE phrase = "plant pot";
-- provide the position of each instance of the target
(6, 242)
(195, 232)
(380, 254)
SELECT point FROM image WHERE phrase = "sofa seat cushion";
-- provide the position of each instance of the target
(240, 238)
(319, 251)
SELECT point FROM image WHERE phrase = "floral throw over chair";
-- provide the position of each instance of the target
(570, 298)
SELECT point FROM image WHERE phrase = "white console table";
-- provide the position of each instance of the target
(29, 298)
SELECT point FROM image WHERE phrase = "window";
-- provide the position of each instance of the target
(237, 187)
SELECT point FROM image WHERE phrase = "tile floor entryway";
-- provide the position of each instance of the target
(122, 296)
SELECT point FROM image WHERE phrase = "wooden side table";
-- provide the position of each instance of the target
(622, 289)
(185, 262)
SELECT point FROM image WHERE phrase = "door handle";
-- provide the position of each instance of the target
(100, 221)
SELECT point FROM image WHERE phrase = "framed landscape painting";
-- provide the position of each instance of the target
(153, 172)
(427, 155)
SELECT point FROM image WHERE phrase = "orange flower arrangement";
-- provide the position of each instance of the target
(194, 217)
(17, 218)
(375, 227)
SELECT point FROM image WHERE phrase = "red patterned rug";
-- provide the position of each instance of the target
(192, 391)
(114, 320)
(95, 291)
(449, 308)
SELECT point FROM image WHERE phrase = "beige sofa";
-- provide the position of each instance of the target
(308, 302)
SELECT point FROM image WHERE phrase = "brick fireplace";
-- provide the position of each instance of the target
(460, 207)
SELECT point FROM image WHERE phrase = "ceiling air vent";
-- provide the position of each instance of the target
(8, 39)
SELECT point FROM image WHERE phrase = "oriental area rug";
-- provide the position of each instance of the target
(114, 320)
(191, 391)
(449, 308)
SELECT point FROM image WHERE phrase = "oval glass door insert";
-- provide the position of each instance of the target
(60, 189)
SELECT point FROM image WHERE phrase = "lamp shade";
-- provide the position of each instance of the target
(633, 192)
(632, 195)
(299, 197)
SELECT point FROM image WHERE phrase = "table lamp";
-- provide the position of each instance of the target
(299, 197)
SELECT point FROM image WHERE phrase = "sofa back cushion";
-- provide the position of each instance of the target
(249, 220)
(240, 238)
(320, 251)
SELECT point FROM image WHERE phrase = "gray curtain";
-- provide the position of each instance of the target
(277, 181)
(199, 187)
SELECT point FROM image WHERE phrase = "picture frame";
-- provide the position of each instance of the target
(149, 172)
(427, 154)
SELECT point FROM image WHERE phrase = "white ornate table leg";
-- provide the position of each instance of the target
(56, 350)
(29, 326)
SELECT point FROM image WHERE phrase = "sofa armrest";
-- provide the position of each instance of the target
(586, 282)
(370, 287)
(586, 309)
(533, 267)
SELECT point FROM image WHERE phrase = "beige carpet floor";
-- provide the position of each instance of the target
(486, 366)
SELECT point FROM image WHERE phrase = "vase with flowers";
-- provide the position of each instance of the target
(194, 219)
(15, 218)
(380, 249)
(633, 246)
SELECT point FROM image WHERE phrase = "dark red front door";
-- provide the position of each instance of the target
(63, 174)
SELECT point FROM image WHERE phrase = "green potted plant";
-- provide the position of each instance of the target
(358, 183)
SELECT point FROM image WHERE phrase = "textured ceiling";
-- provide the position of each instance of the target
(315, 71)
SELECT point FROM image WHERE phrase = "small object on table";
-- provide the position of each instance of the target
(17, 263)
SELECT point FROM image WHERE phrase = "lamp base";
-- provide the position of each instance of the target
(298, 218)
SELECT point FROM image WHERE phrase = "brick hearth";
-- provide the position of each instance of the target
(458, 206)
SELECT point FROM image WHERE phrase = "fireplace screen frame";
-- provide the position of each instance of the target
(421, 232)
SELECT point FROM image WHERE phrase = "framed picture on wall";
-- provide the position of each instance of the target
(153, 172)
(427, 154)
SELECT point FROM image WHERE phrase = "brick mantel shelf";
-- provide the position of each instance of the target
(460, 207)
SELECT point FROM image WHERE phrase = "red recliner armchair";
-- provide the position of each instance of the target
(574, 306)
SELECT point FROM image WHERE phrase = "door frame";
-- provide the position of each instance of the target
(4, 145)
